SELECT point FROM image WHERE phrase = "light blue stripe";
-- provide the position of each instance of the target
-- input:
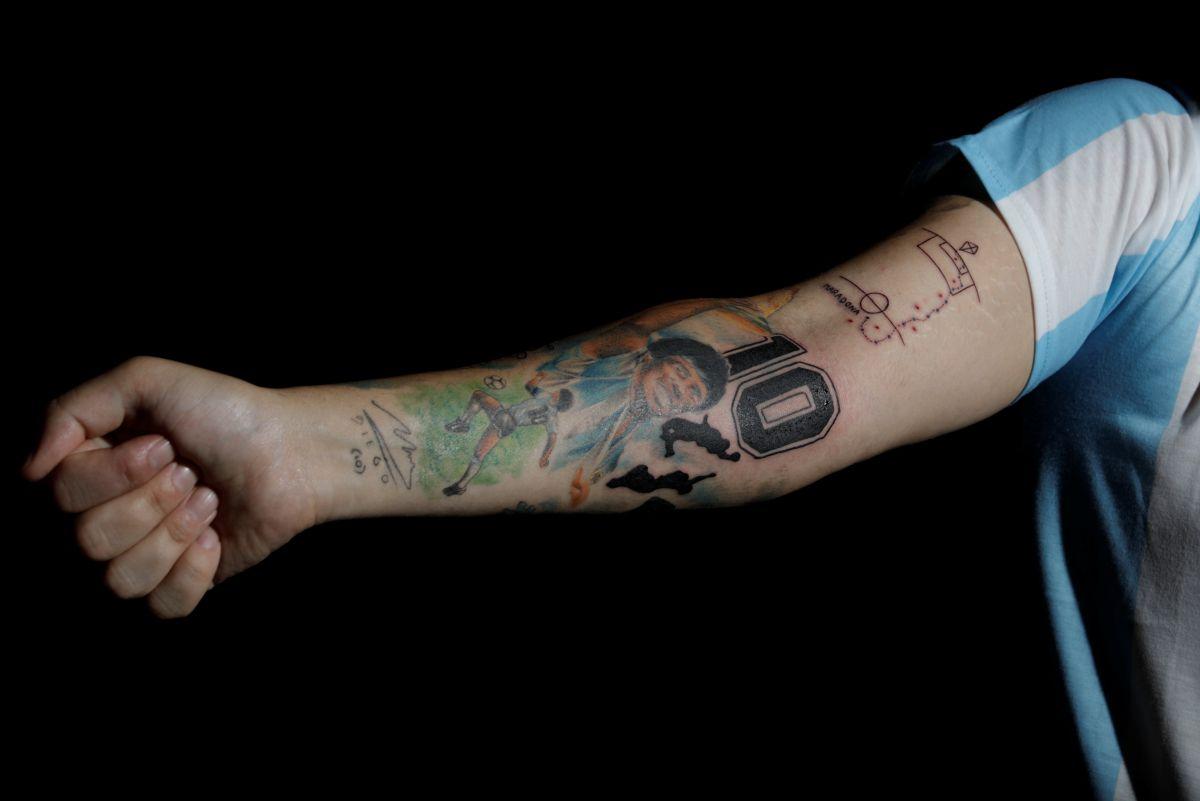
(1098, 427)
(1056, 347)
(1130, 269)
(1097, 736)
(1060, 123)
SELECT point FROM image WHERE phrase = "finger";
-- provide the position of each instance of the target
(143, 567)
(88, 478)
(189, 579)
(92, 409)
(110, 529)
(95, 443)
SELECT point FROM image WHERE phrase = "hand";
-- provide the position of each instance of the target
(544, 462)
(181, 476)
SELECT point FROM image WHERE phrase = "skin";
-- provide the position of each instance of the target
(182, 477)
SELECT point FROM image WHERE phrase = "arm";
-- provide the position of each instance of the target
(927, 332)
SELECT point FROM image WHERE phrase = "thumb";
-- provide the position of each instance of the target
(92, 409)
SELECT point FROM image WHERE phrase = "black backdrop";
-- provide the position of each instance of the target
(321, 217)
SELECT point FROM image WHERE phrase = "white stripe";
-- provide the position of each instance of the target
(1113, 197)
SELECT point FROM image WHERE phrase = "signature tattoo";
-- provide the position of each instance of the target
(639, 479)
(704, 435)
(394, 471)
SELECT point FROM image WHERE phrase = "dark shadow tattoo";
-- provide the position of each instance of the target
(653, 506)
(639, 479)
(678, 429)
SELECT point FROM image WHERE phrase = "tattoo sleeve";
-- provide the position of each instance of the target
(708, 401)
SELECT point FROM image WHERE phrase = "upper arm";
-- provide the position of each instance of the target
(924, 333)
(1079, 198)
(1093, 181)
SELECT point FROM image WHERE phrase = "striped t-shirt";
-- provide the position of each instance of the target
(1098, 184)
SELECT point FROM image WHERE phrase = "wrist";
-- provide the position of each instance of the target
(356, 448)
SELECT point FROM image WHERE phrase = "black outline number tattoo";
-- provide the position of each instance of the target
(781, 402)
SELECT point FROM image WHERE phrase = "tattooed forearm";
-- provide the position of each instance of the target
(601, 401)
(386, 451)
(711, 401)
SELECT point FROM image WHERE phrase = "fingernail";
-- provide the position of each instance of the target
(201, 503)
(183, 477)
(208, 541)
(159, 454)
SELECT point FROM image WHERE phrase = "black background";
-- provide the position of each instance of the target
(314, 212)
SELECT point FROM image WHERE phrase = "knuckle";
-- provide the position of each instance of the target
(162, 497)
(63, 491)
(197, 572)
(92, 538)
(181, 528)
(165, 606)
(137, 364)
(122, 583)
(131, 467)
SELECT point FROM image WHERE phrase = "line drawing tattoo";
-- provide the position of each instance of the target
(872, 303)
(678, 429)
(947, 261)
(878, 326)
(395, 472)
(639, 479)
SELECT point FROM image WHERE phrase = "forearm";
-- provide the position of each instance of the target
(913, 338)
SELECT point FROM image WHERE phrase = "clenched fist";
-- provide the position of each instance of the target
(180, 476)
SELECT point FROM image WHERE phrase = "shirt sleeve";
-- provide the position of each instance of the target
(1095, 182)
